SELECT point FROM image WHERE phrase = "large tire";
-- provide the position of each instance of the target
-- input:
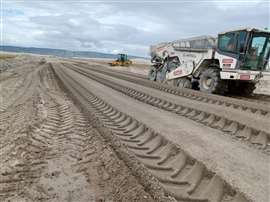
(248, 88)
(161, 73)
(183, 83)
(242, 88)
(167, 66)
(160, 76)
(152, 74)
(210, 82)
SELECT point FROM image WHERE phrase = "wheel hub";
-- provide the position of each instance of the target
(207, 83)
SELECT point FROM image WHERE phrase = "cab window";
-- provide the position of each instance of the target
(258, 44)
(227, 42)
(257, 54)
(241, 41)
(267, 49)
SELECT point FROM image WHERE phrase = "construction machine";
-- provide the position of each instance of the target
(122, 60)
(233, 62)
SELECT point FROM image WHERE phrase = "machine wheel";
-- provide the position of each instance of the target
(161, 74)
(183, 83)
(152, 74)
(248, 88)
(210, 82)
(160, 77)
(242, 88)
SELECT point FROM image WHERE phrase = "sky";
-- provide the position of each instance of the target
(129, 26)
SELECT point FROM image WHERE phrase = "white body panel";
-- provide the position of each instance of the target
(240, 75)
(226, 62)
(189, 60)
(183, 70)
(229, 71)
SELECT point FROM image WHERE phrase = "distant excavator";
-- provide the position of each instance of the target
(122, 60)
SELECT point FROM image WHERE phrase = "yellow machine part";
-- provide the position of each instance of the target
(120, 63)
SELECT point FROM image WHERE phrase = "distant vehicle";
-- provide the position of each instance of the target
(122, 60)
(234, 62)
(42, 61)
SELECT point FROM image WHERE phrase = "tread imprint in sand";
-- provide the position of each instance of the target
(254, 137)
(182, 176)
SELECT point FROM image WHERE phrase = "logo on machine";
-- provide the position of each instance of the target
(227, 61)
(177, 72)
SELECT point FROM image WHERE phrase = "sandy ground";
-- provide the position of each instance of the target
(207, 145)
(49, 151)
(263, 86)
(139, 66)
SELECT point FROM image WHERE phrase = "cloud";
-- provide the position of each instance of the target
(127, 26)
